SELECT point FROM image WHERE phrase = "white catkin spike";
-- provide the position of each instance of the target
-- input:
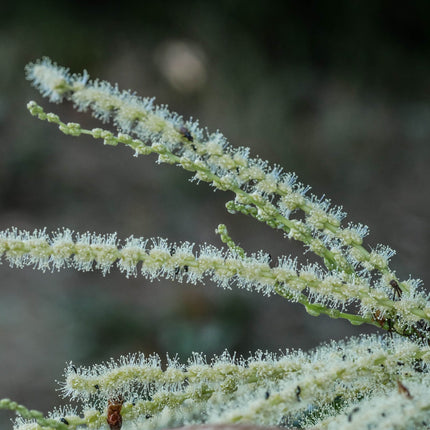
(261, 389)
(158, 258)
(316, 388)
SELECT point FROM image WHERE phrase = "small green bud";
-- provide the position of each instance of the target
(51, 117)
(97, 132)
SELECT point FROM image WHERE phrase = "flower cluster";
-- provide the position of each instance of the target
(263, 389)
(339, 385)
(318, 290)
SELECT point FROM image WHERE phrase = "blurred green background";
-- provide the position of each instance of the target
(338, 92)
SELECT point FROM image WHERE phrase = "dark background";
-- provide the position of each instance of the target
(336, 91)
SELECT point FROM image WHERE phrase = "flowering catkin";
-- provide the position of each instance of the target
(264, 389)
(319, 290)
(366, 382)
